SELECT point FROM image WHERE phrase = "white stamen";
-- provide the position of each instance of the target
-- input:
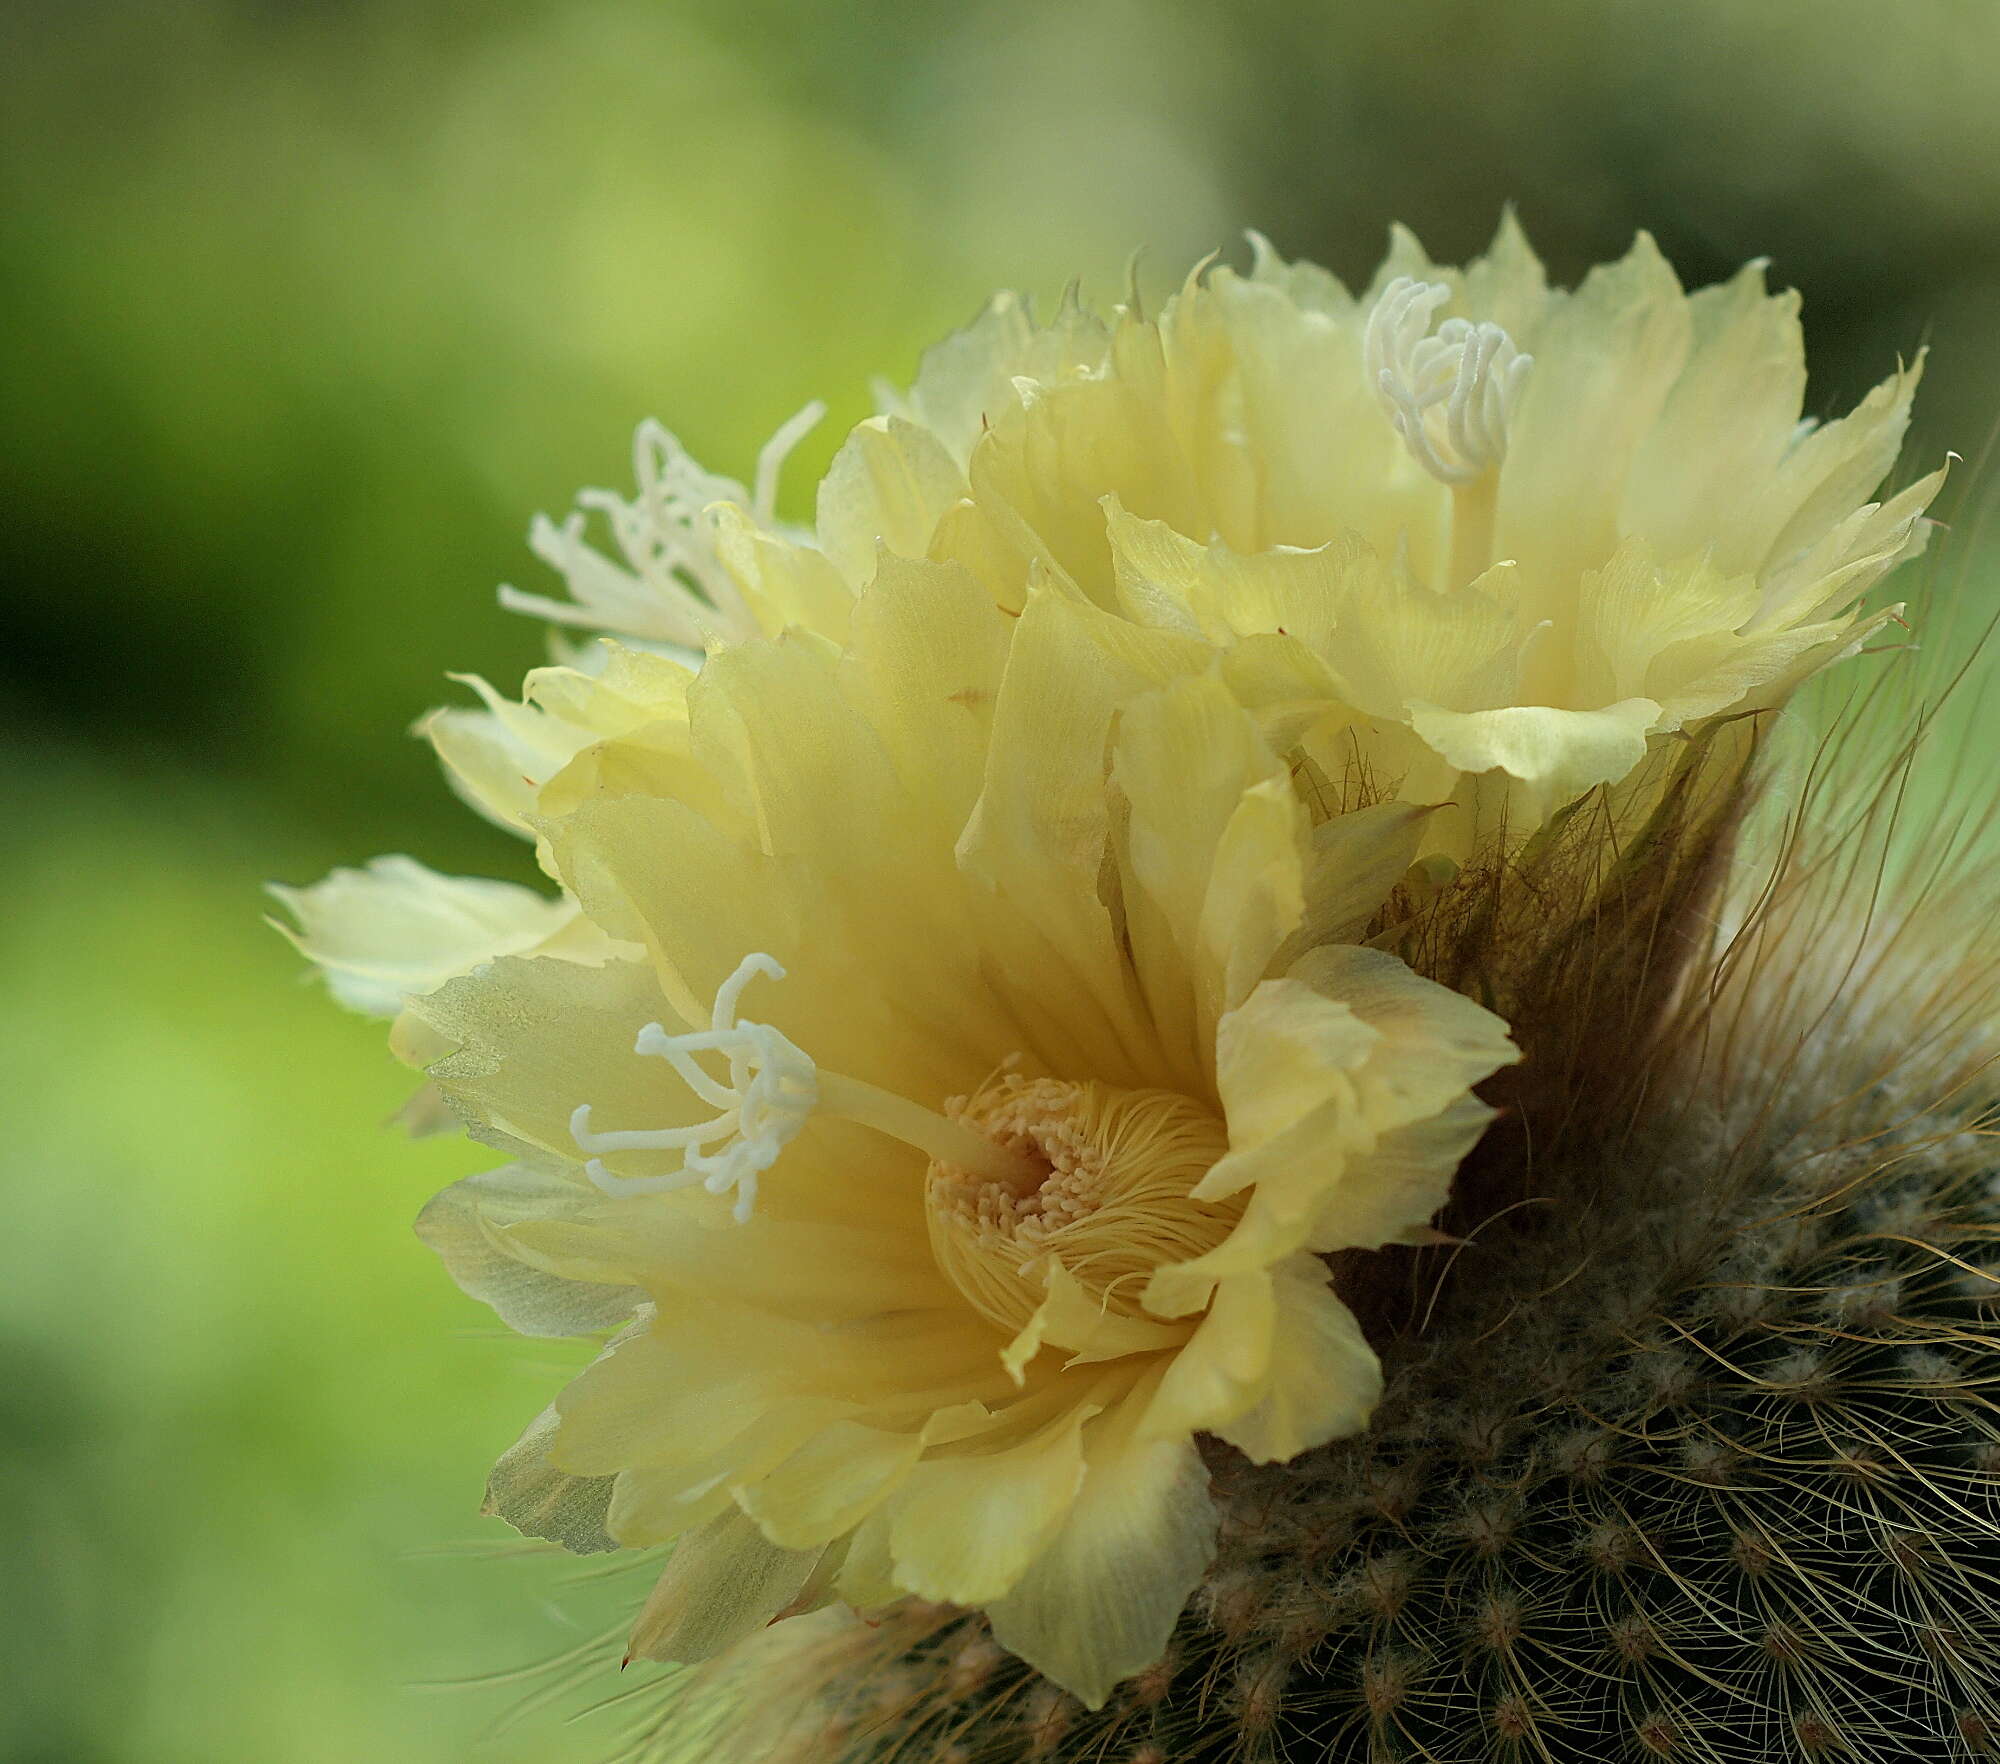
(772, 1089)
(668, 584)
(1450, 396)
(771, 461)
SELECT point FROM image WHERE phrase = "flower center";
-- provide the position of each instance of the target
(1103, 1190)
(1049, 1203)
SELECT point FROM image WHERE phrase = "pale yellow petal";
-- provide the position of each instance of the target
(656, 762)
(1606, 358)
(1432, 1044)
(1201, 397)
(1556, 755)
(1828, 577)
(610, 687)
(721, 1585)
(1726, 424)
(1042, 471)
(992, 547)
(1214, 845)
(924, 663)
(499, 759)
(887, 488)
(1832, 469)
(872, 937)
(1305, 285)
(964, 1528)
(832, 1482)
(1288, 1063)
(1221, 1372)
(1291, 692)
(818, 860)
(1508, 286)
(468, 1225)
(705, 1372)
(1635, 607)
(1355, 860)
(1329, 464)
(1101, 1599)
(830, 1271)
(1280, 1056)
(1698, 643)
(1042, 830)
(1401, 641)
(395, 929)
(867, 1577)
(669, 1394)
(784, 584)
(1256, 893)
(1087, 1330)
(1386, 1193)
(1725, 670)
(966, 381)
(1167, 580)
(1321, 1380)
(658, 1502)
(1316, 1070)
(539, 1500)
(534, 1038)
(1406, 256)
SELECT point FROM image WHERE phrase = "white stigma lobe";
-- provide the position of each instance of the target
(1450, 395)
(771, 1091)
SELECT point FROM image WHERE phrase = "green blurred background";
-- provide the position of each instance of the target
(305, 307)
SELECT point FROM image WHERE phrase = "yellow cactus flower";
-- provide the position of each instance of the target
(1487, 528)
(1464, 535)
(961, 1135)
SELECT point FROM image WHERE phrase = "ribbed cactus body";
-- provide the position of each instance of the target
(1738, 1505)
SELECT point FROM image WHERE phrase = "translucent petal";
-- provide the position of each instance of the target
(471, 1224)
(722, 1584)
(887, 487)
(1100, 1600)
(396, 929)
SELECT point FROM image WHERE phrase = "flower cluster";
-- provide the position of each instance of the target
(971, 1013)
